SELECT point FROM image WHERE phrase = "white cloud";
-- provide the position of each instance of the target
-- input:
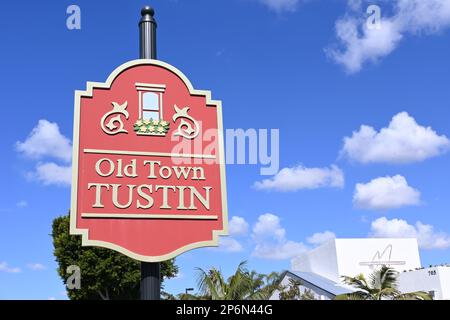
(424, 16)
(228, 244)
(45, 140)
(271, 242)
(354, 4)
(403, 141)
(385, 193)
(36, 266)
(359, 49)
(360, 44)
(4, 267)
(397, 228)
(268, 226)
(269, 238)
(237, 226)
(22, 204)
(319, 238)
(51, 173)
(282, 251)
(281, 5)
(300, 177)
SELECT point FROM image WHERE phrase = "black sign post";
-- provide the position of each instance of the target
(150, 271)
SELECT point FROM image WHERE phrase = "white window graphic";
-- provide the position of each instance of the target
(150, 106)
(150, 100)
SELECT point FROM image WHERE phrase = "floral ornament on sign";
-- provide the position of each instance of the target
(185, 129)
(111, 127)
(150, 127)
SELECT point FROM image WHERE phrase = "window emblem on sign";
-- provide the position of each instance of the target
(151, 122)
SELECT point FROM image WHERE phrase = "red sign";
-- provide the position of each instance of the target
(148, 164)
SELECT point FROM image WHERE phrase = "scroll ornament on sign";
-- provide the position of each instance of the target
(188, 130)
(115, 124)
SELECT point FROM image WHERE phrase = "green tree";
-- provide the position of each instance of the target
(105, 274)
(382, 285)
(242, 285)
(262, 285)
(292, 291)
(187, 296)
(308, 294)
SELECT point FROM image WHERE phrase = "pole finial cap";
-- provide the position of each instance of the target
(147, 10)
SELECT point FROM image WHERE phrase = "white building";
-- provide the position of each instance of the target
(321, 287)
(435, 280)
(349, 257)
(320, 270)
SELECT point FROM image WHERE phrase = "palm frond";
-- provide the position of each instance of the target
(207, 284)
(418, 295)
(359, 282)
(359, 295)
(382, 285)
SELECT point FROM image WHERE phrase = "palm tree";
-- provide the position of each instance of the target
(242, 285)
(186, 296)
(382, 285)
(262, 285)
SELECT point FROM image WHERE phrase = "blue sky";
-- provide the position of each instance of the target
(308, 68)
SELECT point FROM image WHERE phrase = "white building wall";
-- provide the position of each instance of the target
(350, 257)
(436, 279)
(444, 274)
(357, 256)
(321, 261)
(318, 294)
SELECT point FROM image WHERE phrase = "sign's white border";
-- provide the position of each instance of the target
(221, 156)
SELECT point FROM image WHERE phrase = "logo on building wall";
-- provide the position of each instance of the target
(382, 257)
